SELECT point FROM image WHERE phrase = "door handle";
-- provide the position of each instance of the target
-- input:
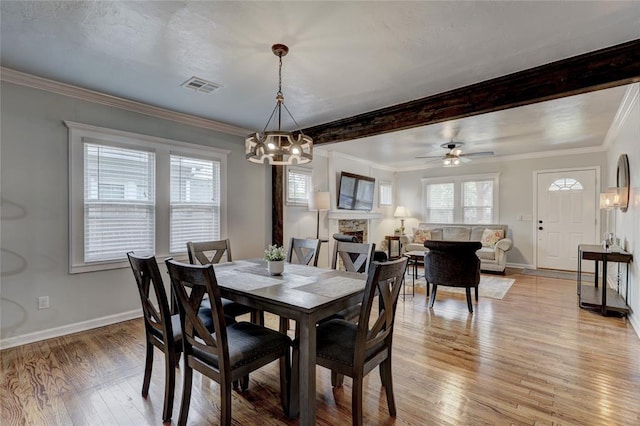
(540, 228)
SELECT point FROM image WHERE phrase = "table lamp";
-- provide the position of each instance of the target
(402, 213)
(318, 201)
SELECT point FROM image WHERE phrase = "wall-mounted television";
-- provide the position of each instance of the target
(355, 192)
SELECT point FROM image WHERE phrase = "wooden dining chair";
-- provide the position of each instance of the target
(303, 251)
(353, 350)
(213, 252)
(162, 326)
(231, 351)
(356, 257)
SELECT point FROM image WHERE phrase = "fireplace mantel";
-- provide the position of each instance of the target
(353, 214)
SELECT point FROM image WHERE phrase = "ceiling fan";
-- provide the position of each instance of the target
(455, 156)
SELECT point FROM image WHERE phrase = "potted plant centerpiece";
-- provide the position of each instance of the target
(275, 255)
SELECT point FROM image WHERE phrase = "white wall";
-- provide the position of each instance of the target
(34, 241)
(299, 222)
(516, 193)
(626, 140)
(326, 167)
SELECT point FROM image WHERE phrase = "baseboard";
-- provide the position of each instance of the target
(633, 320)
(68, 329)
(520, 265)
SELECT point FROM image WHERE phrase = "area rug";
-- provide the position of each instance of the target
(490, 286)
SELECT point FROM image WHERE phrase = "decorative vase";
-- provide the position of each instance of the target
(276, 267)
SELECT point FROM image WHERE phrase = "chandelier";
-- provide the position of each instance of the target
(276, 146)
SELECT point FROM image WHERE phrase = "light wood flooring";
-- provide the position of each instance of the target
(532, 358)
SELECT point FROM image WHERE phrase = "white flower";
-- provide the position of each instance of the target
(274, 252)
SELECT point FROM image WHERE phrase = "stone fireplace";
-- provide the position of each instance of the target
(357, 227)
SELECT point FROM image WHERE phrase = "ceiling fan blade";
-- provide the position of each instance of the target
(430, 156)
(464, 159)
(478, 154)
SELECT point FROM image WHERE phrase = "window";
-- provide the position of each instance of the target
(119, 202)
(298, 186)
(195, 202)
(439, 203)
(135, 192)
(565, 184)
(385, 193)
(477, 201)
(461, 199)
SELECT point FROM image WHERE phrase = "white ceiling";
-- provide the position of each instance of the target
(346, 58)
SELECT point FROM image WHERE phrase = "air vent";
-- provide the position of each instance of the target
(200, 85)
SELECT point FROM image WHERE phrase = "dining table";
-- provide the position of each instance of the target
(305, 294)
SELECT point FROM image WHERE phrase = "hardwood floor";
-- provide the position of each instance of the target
(532, 358)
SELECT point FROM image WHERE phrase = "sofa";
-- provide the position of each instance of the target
(495, 244)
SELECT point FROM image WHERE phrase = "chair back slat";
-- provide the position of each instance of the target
(303, 251)
(147, 276)
(209, 252)
(191, 283)
(356, 257)
(384, 280)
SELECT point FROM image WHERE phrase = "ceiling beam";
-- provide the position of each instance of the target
(601, 69)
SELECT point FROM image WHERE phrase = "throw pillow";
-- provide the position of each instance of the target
(491, 236)
(420, 235)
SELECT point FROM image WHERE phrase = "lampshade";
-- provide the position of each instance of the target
(612, 198)
(278, 147)
(401, 212)
(319, 201)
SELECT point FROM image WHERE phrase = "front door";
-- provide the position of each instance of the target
(566, 217)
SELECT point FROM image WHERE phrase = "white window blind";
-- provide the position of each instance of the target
(119, 202)
(195, 201)
(440, 203)
(477, 201)
(299, 186)
(461, 199)
(386, 193)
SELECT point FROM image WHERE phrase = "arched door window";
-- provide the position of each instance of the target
(565, 184)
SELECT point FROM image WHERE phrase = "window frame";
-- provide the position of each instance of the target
(301, 202)
(458, 202)
(163, 148)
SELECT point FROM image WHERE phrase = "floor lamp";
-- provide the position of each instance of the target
(319, 201)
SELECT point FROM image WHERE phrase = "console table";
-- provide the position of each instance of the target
(604, 299)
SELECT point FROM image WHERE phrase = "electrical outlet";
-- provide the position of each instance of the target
(43, 302)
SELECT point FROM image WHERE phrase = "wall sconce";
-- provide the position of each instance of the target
(612, 198)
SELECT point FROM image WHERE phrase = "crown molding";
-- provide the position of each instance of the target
(16, 77)
(629, 100)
